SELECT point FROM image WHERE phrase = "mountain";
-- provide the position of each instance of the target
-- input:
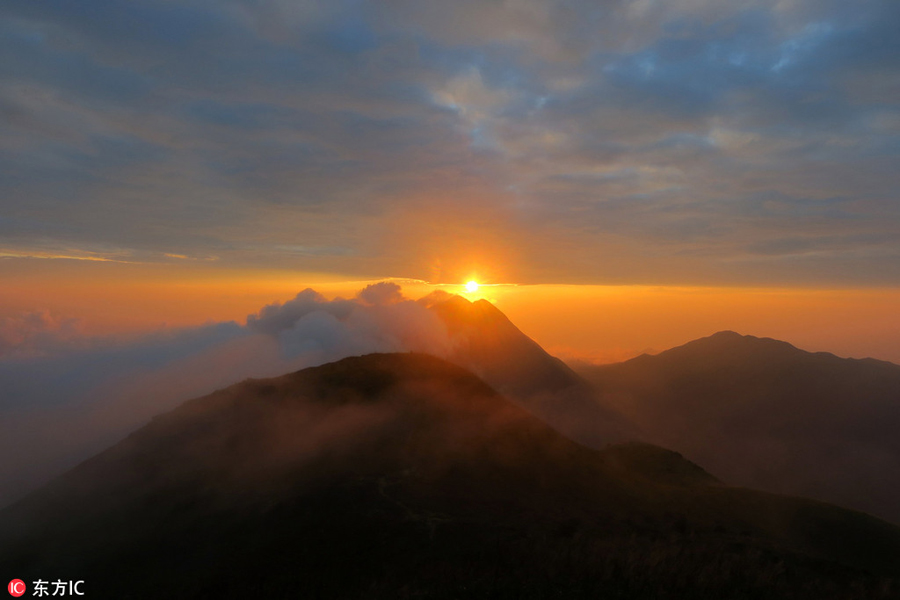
(490, 345)
(404, 476)
(499, 351)
(762, 413)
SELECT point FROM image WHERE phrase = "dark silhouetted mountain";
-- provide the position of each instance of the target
(490, 345)
(762, 413)
(403, 476)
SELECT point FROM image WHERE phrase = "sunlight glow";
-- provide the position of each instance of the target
(472, 287)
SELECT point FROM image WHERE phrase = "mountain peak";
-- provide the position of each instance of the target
(728, 334)
(461, 313)
(489, 344)
(735, 337)
(763, 413)
(729, 343)
(369, 376)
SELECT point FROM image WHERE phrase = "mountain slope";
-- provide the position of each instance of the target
(490, 345)
(761, 413)
(392, 476)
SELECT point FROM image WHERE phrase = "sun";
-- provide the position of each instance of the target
(472, 287)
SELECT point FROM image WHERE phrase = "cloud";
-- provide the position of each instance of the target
(380, 319)
(68, 395)
(275, 318)
(36, 334)
(381, 294)
(247, 131)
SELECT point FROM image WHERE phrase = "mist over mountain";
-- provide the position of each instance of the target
(485, 341)
(402, 476)
(761, 413)
(67, 395)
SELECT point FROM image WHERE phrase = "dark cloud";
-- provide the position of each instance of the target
(632, 129)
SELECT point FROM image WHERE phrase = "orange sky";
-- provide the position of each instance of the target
(601, 323)
(523, 141)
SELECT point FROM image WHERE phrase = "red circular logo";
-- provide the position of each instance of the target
(16, 588)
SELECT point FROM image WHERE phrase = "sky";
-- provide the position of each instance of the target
(709, 165)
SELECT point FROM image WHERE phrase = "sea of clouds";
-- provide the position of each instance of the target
(67, 395)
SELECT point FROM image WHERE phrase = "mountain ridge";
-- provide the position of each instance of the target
(435, 485)
(490, 345)
(762, 413)
(729, 336)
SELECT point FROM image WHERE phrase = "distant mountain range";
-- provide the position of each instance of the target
(761, 413)
(403, 476)
(497, 473)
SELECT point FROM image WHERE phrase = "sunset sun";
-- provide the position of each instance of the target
(472, 287)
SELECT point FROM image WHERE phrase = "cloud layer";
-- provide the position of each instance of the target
(66, 396)
(623, 140)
